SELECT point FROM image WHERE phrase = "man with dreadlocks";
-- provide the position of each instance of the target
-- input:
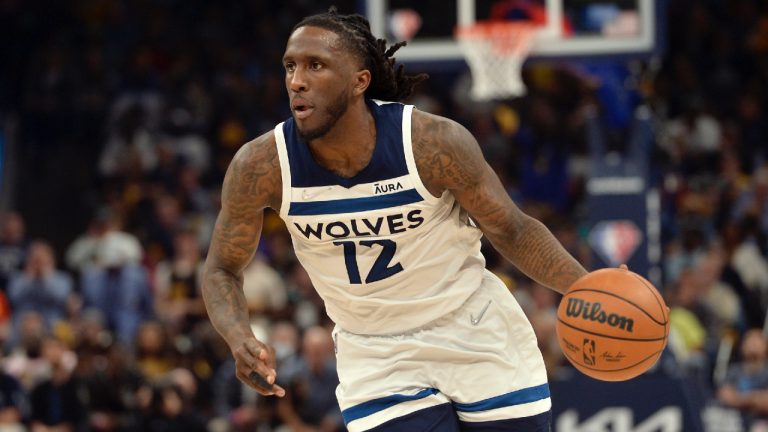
(386, 206)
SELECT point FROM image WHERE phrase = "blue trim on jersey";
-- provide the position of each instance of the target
(354, 205)
(373, 406)
(387, 161)
(442, 418)
(518, 397)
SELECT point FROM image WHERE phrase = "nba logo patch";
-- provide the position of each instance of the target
(615, 241)
(588, 352)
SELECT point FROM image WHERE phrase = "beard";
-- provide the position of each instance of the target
(332, 113)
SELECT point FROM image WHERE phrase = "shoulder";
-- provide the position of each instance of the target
(437, 130)
(447, 155)
(254, 173)
(257, 152)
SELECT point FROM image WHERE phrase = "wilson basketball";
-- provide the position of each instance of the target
(612, 324)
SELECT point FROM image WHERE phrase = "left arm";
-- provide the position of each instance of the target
(449, 158)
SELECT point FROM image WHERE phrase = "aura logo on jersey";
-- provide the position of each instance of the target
(380, 188)
(362, 227)
(593, 311)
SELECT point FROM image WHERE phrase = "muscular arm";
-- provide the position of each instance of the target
(449, 158)
(252, 183)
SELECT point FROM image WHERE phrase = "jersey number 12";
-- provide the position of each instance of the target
(381, 268)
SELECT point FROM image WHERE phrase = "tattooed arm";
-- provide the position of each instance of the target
(449, 158)
(252, 183)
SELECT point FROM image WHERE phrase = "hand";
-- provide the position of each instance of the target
(255, 366)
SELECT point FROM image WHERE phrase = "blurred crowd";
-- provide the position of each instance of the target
(128, 114)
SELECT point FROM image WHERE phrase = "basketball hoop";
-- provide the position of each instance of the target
(495, 52)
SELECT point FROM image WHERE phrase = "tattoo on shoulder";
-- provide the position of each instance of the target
(447, 155)
(255, 174)
(251, 184)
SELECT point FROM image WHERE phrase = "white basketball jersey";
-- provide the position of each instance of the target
(385, 255)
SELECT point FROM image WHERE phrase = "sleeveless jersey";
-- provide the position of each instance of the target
(385, 254)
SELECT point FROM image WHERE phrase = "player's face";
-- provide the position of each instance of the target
(319, 78)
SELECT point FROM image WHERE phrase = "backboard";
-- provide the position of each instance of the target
(569, 28)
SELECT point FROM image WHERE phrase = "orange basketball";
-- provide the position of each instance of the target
(612, 324)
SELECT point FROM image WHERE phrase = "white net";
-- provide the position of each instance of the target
(495, 52)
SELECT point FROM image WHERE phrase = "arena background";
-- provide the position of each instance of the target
(118, 120)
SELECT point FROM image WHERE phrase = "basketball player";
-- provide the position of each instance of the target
(386, 206)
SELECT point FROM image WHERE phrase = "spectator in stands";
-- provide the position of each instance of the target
(265, 292)
(155, 356)
(131, 148)
(24, 361)
(168, 219)
(683, 252)
(693, 139)
(14, 405)
(243, 409)
(309, 309)
(184, 380)
(752, 204)
(688, 317)
(180, 138)
(284, 338)
(107, 384)
(13, 246)
(309, 402)
(169, 412)
(56, 403)
(91, 337)
(195, 199)
(119, 289)
(744, 270)
(746, 384)
(40, 287)
(235, 405)
(716, 296)
(277, 245)
(178, 302)
(103, 237)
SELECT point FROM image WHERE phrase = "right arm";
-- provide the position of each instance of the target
(252, 183)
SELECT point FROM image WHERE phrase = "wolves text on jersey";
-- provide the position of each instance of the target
(363, 227)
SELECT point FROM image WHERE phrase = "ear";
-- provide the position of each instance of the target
(362, 81)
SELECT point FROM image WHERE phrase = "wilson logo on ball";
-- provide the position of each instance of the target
(594, 312)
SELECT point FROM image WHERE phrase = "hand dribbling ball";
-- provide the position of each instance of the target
(612, 324)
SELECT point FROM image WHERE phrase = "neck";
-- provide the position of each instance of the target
(348, 146)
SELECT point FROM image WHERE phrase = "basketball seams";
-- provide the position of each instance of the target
(613, 284)
(609, 336)
(620, 298)
(654, 292)
(613, 370)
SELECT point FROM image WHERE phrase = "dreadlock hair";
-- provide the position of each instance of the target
(387, 83)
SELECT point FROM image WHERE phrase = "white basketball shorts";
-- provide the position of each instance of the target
(482, 358)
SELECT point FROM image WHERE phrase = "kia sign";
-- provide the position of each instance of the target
(657, 401)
